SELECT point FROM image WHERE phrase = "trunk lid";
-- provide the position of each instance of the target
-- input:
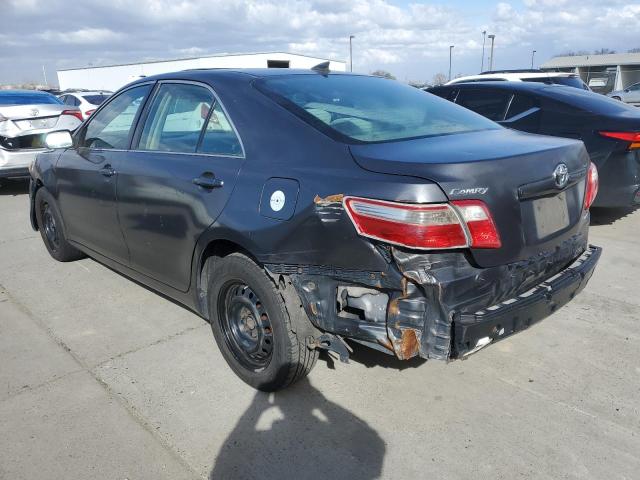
(512, 172)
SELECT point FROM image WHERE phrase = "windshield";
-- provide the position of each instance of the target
(27, 98)
(365, 109)
(96, 99)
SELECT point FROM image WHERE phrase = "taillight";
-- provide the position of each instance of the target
(424, 226)
(632, 137)
(73, 113)
(482, 230)
(89, 112)
(591, 189)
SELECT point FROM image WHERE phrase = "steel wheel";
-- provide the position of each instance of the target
(246, 326)
(50, 227)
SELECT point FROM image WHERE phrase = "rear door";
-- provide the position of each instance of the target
(87, 175)
(176, 179)
(633, 95)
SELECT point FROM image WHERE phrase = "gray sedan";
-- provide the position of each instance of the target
(26, 116)
(630, 95)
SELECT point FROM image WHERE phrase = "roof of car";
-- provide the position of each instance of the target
(23, 92)
(247, 73)
(505, 85)
(516, 76)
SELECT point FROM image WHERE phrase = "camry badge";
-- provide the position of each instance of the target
(561, 175)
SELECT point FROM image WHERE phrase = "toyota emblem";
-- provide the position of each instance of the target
(35, 112)
(561, 175)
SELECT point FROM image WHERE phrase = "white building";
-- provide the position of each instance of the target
(112, 77)
(603, 73)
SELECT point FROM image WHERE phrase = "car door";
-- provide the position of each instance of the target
(86, 177)
(633, 94)
(177, 179)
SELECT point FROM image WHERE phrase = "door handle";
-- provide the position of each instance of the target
(107, 171)
(208, 180)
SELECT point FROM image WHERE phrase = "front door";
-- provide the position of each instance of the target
(176, 180)
(87, 175)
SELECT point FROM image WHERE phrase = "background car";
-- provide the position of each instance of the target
(630, 95)
(537, 76)
(608, 128)
(86, 101)
(26, 116)
(295, 209)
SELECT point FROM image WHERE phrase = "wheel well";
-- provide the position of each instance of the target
(215, 249)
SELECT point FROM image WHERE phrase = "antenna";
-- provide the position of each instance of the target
(321, 67)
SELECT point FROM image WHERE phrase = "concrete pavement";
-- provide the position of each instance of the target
(102, 378)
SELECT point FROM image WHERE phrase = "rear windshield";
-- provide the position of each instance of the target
(95, 99)
(28, 99)
(592, 102)
(365, 109)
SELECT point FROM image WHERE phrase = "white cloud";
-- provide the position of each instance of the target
(412, 40)
(83, 36)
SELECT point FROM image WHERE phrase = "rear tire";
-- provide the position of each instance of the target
(51, 230)
(261, 337)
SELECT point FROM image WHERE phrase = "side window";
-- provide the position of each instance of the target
(76, 101)
(635, 87)
(176, 118)
(219, 137)
(489, 103)
(519, 104)
(110, 127)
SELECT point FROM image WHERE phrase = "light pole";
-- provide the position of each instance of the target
(492, 38)
(533, 54)
(450, 50)
(351, 37)
(484, 39)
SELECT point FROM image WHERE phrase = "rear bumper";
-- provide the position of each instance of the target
(15, 163)
(472, 331)
(619, 180)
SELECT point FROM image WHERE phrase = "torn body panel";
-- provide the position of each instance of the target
(440, 305)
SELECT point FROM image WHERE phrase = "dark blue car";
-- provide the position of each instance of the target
(297, 209)
(609, 129)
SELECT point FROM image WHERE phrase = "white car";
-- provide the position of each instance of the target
(87, 102)
(26, 116)
(570, 79)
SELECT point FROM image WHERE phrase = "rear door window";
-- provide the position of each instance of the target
(519, 105)
(111, 126)
(488, 103)
(176, 118)
(219, 137)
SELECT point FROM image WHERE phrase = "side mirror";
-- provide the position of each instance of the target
(59, 139)
(626, 90)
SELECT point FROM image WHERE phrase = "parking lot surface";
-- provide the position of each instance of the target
(102, 378)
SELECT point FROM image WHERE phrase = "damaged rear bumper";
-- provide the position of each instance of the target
(439, 306)
(472, 331)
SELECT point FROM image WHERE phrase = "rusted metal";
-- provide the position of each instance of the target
(328, 200)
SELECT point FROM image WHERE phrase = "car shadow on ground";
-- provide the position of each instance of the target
(370, 358)
(608, 216)
(14, 187)
(299, 433)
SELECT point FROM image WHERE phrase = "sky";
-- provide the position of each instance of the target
(409, 39)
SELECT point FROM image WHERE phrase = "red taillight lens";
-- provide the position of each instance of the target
(483, 231)
(428, 226)
(73, 113)
(632, 137)
(89, 112)
(591, 189)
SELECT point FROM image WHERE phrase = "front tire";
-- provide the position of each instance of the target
(51, 230)
(261, 337)
(617, 98)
